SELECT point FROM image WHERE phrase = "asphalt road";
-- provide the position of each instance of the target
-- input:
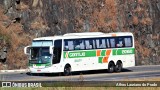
(102, 75)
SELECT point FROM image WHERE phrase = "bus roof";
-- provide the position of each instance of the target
(85, 35)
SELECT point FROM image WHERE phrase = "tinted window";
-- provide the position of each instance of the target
(68, 45)
(128, 41)
(98, 43)
(79, 44)
(57, 51)
(42, 43)
(107, 43)
(120, 42)
(112, 41)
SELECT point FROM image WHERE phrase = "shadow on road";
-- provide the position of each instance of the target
(75, 73)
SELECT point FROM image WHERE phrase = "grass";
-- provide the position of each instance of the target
(85, 88)
(94, 88)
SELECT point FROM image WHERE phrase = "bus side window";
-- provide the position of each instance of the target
(112, 41)
(107, 41)
(81, 44)
(120, 42)
(70, 45)
(97, 43)
(128, 41)
(91, 44)
(76, 44)
(103, 43)
(87, 44)
(94, 44)
(66, 45)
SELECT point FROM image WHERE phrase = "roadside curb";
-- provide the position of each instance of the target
(18, 70)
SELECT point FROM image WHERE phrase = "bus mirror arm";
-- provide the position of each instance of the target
(27, 50)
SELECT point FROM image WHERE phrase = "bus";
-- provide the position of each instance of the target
(81, 52)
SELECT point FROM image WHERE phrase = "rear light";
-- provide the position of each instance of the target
(38, 70)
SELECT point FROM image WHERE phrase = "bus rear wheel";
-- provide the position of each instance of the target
(67, 70)
(118, 67)
(111, 67)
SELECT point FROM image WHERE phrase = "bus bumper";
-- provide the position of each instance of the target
(41, 70)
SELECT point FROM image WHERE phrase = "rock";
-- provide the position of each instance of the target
(57, 17)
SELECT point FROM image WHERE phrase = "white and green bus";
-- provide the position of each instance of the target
(81, 52)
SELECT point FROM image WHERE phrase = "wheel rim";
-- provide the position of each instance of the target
(111, 69)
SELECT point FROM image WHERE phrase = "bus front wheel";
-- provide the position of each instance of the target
(111, 67)
(67, 70)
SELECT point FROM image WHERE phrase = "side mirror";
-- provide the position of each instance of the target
(51, 49)
(27, 50)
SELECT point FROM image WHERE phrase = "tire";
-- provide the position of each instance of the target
(118, 67)
(67, 70)
(111, 67)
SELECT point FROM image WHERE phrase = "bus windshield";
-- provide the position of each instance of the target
(40, 55)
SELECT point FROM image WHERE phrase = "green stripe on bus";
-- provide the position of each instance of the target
(47, 64)
(100, 59)
(92, 53)
(103, 53)
(123, 51)
(40, 64)
(79, 54)
(64, 54)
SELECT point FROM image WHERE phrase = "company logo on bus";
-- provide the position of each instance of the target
(78, 54)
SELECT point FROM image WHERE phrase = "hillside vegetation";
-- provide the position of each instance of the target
(23, 20)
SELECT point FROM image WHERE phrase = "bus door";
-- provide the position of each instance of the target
(57, 51)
